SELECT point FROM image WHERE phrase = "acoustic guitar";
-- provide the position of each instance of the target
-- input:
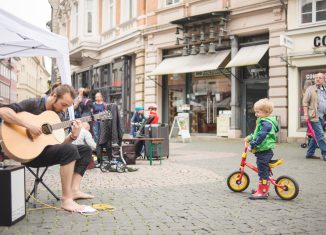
(18, 144)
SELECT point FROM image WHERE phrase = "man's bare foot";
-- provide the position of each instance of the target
(71, 205)
(82, 195)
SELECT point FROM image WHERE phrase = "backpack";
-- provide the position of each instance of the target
(84, 105)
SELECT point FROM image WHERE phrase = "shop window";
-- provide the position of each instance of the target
(307, 77)
(104, 76)
(171, 2)
(312, 11)
(96, 80)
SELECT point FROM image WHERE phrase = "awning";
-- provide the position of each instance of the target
(191, 63)
(248, 56)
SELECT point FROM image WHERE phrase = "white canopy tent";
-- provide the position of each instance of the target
(21, 39)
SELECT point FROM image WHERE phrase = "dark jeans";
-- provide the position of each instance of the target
(139, 147)
(63, 154)
(319, 132)
(99, 151)
(263, 159)
(96, 130)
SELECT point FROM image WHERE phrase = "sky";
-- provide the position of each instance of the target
(36, 12)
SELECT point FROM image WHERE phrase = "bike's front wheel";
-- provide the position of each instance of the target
(237, 185)
(289, 188)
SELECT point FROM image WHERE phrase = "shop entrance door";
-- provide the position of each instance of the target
(203, 113)
(210, 96)
(253, 93)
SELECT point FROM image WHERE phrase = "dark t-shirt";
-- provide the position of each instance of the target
(33, 105)
(85, 107)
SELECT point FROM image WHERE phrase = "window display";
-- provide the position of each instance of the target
(307, 78)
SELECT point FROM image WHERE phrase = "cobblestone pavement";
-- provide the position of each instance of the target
(187, 194)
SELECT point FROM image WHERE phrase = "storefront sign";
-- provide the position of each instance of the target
(286, 41)
(210, 73)
(320, 41)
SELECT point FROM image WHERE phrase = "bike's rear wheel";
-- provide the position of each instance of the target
(290, 190)
(237, 185)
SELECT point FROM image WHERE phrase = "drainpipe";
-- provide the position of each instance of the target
(235, 91)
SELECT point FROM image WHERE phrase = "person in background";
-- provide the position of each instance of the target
(84, 104)
(77, 101)
(314, 110)
(137, 119)
(85, 137)
(98, 107)
(153, 113)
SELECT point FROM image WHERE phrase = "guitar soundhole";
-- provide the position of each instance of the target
(46, 129)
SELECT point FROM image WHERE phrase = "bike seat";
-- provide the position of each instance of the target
(275, 163)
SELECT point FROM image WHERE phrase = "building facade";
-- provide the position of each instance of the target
(32, 78)
(189, 56)
(106, 48)
(305, 55)
(246, 51)
(8, 80)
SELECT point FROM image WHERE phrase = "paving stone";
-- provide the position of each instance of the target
(187, 194)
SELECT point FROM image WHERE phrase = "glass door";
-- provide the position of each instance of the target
(210, 96)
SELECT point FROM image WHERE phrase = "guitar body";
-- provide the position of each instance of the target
(17, 144)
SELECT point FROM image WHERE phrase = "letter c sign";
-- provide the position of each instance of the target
(320, 41)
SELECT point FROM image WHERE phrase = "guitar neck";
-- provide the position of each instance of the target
(66, 124)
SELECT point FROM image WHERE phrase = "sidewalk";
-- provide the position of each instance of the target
(187, 194)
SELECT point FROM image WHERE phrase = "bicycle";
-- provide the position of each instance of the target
(285, 186)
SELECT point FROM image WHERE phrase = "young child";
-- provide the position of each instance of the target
(153, 113)
(261, 143)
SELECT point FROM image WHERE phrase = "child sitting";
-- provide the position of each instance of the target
(261, 143)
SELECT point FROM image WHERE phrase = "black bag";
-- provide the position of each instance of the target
(129, 153)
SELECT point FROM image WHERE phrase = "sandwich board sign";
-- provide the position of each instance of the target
(180, 127)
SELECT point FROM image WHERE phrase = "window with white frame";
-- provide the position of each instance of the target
(313, 11)
(75, 20)
(171, 2)
(89, 16)
(128, 10)
(108, 14)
